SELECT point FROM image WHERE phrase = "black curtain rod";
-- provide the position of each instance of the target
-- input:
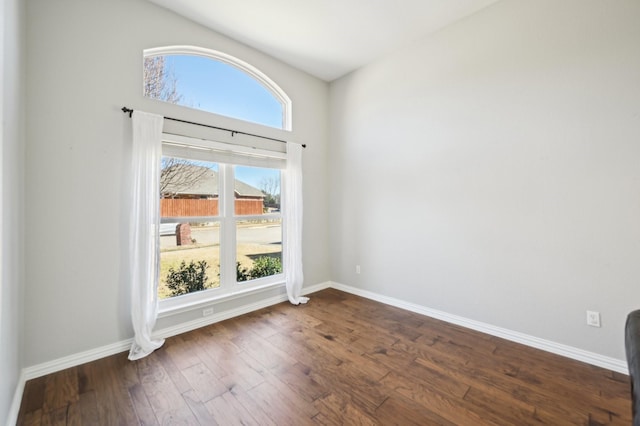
(233, 132)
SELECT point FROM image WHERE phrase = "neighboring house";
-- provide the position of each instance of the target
(193, 191)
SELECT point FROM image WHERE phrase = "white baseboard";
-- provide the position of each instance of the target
(73, 360)
(14, 410)
(546, 345)
(49, 367)
(317, 287)
(231, 313)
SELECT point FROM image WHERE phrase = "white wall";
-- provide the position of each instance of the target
(11, 183)
(491, 171)
(84, 63)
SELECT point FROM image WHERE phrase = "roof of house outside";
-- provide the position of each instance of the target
(207, 184)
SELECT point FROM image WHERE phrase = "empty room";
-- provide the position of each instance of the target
(320, 212)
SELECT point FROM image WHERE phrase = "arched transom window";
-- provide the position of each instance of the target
(214, 82)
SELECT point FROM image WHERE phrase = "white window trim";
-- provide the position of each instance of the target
(203, 148)
(168, 310)
(228, 289)
(241, 65)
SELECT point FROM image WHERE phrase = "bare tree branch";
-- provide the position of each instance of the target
(178, 175)
(160, 81)
(270, 187)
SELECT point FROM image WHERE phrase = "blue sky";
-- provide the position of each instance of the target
(254, 175)
(214, 86)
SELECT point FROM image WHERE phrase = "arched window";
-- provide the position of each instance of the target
(221, 228)
(214, 82)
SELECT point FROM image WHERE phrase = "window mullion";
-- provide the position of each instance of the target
(228, 228)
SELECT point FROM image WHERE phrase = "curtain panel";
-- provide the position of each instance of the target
(144, 231)
(292, 213)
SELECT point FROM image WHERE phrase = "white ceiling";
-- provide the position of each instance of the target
(326, 38)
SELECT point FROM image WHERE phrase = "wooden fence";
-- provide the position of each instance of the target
(176, 207)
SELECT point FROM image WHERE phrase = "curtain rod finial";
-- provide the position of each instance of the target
(127, 110)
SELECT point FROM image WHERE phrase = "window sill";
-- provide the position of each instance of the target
(203, 302)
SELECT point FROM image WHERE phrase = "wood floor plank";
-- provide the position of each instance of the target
(293, 398)
(398, 410)
(74, 414)
(305, 348)
(144, 411)
(94, 377)
(498, 412)
(266, 355)
(257, 410)
(32, 418)
(451, 408)
(297, 318)
(499, 384)
(227, 410)
(200, 343)
(121, 373)
(260, 324)
(162, 394)
(341, 348)
(279, 407)
(198, 409)
(178, 379)
(337, 409)
(180, 351)
(297, 377)
(61, 389)
(205, 384)
(243, 373)
(338, 360)
(366, 392)
(57, 417)
(33, 395)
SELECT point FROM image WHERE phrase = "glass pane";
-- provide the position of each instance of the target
(259, 248)
(188, 188)
(257, 190)
(189, 257)
(210, 85)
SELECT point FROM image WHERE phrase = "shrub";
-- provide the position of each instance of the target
(265, 266)
(187, 278)
(242, 273)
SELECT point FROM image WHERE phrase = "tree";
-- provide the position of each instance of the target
(160, 81)
(178, 175)
(270, 187)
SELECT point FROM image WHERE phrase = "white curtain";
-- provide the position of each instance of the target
(144, 231)
(292, 202)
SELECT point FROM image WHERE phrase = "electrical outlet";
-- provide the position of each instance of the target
(357, 269)
(593, 318)
(207, 311)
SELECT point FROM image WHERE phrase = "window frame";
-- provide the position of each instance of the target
(227, 219)
(240, 65)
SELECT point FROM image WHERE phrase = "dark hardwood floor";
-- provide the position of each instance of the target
(340, 359)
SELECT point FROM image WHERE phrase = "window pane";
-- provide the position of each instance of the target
(259, 248)
(257, 190)
(210, 85)
(188, 188)
(189, 257)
